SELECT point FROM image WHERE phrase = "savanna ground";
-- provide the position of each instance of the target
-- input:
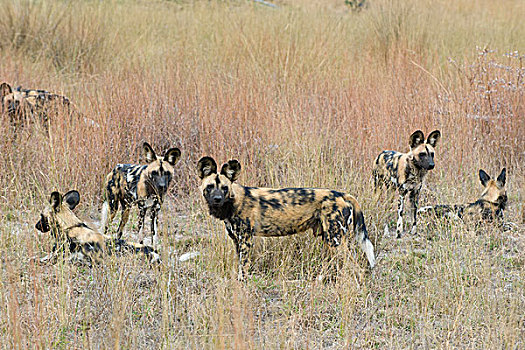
(302, 95)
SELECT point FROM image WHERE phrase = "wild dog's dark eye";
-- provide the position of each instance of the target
(225, 189)
(208, 189)
(154, 173)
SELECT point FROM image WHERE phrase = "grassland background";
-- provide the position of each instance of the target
(303, 95)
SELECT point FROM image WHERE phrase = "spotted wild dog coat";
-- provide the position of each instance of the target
(406, 171)
(489, 207)
(75, 236)
(267, 212)
(27, 105)
(142, 185)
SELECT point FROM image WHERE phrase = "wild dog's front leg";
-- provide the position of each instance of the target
(377, 181)
(400, 209)
(58, 249)
(413, 198)
(154, 214)
(243, 250)
(241, 234)
(51, 257)
(142, 216)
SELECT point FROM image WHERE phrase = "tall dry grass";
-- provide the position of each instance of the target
(303, 95)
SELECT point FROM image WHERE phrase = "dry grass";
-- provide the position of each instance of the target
(302, 95)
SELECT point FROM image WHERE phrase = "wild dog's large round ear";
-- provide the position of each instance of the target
(55, 200)
(433, 138)
(231, 169)
(72, 199)
(206, 166)
(149, 153)
(502, 177)
(172, 156)
(5, 89)
(416, 139)
(483, 177)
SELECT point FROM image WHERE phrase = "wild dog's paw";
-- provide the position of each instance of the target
(48, 259)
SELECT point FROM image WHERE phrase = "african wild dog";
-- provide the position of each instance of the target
(72, 234)
(142, 185)
(489, 207)
(405, 172)
(266, 212)
(26, 105)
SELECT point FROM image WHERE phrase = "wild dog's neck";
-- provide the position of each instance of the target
(498, 204)
(225, 211)
(66, 219)
(414, 165)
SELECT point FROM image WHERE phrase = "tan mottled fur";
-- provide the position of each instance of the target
(74, 235)
(27, 105)
(267, 212)
(489, 207)
(145, 186)
(406, 171)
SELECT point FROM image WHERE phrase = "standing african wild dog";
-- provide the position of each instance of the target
(489, 207)
(142, 185)
(25, 105)
(405, 172)
(74, 235)
(266, 212)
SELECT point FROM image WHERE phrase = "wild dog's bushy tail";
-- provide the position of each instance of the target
(104, 216)
(110, 196)
(360, 231)
(442, 210)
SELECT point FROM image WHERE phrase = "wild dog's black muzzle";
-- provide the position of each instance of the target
(216, 198)
(163, 188)
(42, 225)
(427, 164)
(502, 201)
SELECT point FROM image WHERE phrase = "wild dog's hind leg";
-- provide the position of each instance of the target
(109, 210)
(400, 209)
(332, 224)
(378, 182)
(123, 221)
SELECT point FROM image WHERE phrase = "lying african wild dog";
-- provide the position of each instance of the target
(489, 207)
(26, 105)
(266, 212)
(142, 185)
(405, 172)
(68, 230)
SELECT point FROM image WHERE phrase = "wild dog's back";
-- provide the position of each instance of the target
(385, 171)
